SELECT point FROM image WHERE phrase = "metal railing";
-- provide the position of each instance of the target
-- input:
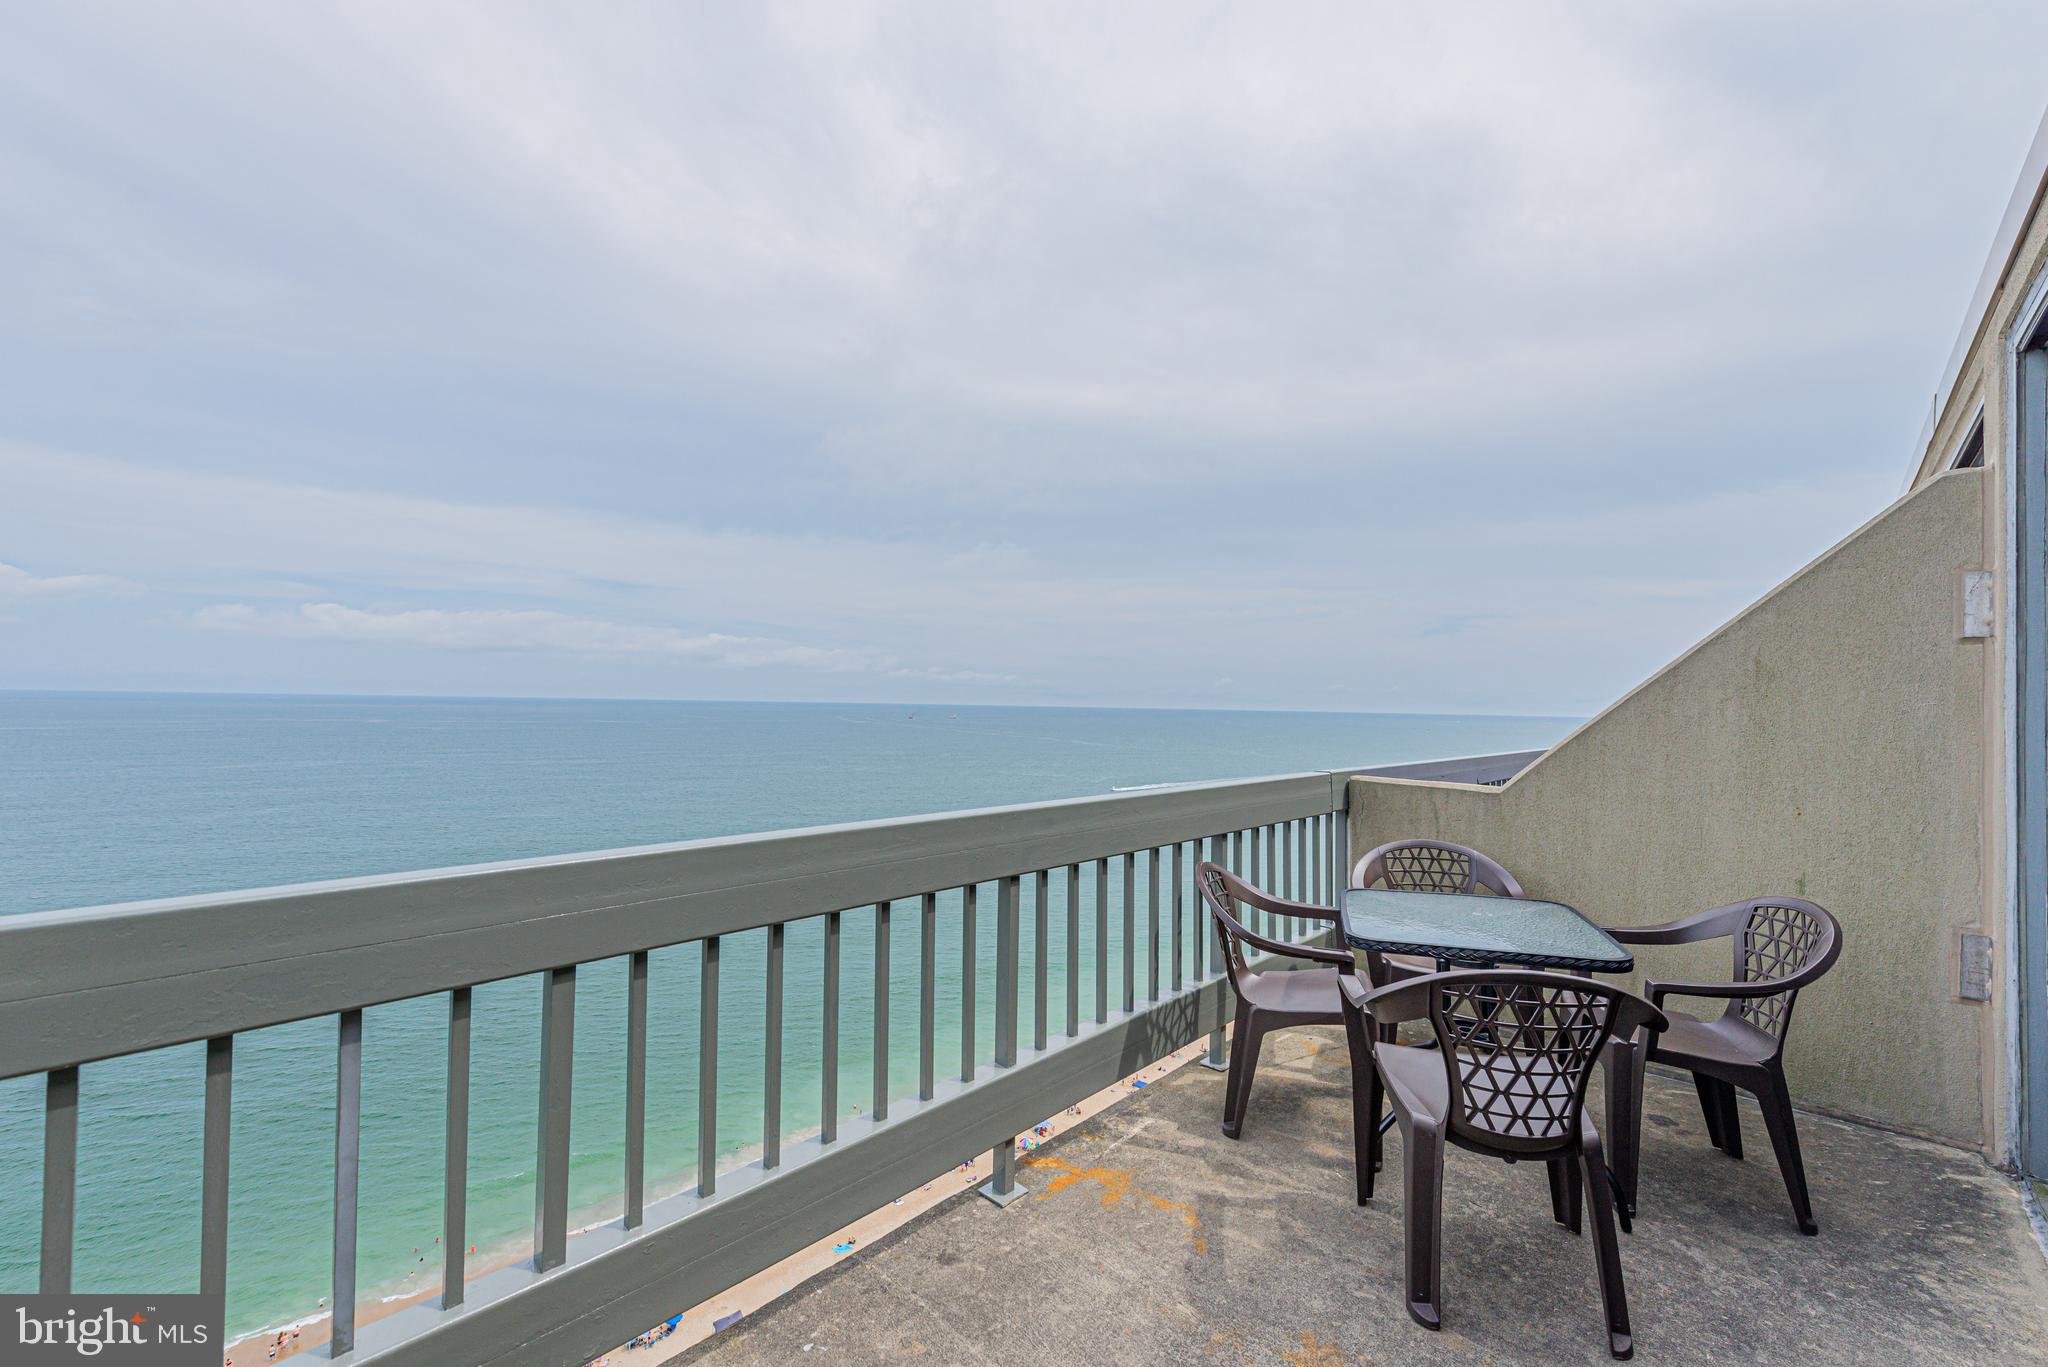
(1491, 771)
(78, 987)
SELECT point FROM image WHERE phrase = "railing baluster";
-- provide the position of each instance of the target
(1236, 866)
(969, 962)
(557, 1073)
(881, 1097)
(1152, 922)
(707, 1069)
(1102, 941)
(1180, 937)
(1130, 932)
(771, 1054)
(1311, 876)
(60, 1178)
(1073, 950)
(1311, 884)
(928, 978)
(1041, 939)
(1270, 861)
(348, 1148)
(1276, 874)
(1295, 866)
(636, 1089)
(1287, 839)
(1303, 891)
(455, 1155)
(213, 1182)
(1335, 875)
(1006, 972)
(1207, 920)
(1317, 864)
(1255, 841)
(1002, 1187)
(828, 1080)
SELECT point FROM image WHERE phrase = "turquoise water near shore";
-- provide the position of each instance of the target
(108, 798)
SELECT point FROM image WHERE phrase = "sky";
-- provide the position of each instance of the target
(1351, 357)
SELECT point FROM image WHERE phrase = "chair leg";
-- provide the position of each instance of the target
(1567, 1192)
(1378, 1107)
(1731, 1123)
(1776, 1101)
(1625, 1060)
(1607, 1253)
(1365, 1103)
(1710, 1105)
(1422, 1215)
(1244, 1062)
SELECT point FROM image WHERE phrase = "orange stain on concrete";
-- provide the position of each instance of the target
(1116, 1185)
(1314, 1353)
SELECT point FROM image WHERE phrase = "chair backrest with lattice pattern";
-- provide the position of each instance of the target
(1223, 902)
(1518, 1049)
(1432, 866)
(1780, 938)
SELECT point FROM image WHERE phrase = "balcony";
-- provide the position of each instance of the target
(1034, 955)
(867, 1006)
(1147, 1237)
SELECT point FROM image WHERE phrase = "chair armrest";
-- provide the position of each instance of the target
(1716, 924)
(1355, 992)
(1281, 906)
(1390, 1005)
(1657, 991)
(1313, 953)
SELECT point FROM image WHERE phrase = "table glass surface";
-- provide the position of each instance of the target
(1470, 929)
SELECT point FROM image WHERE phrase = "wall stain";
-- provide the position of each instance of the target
(1116, 1184)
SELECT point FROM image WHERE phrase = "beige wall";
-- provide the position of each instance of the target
(1981, 390)
(1828, 743)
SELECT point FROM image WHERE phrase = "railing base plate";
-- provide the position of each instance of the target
(1001, 1198)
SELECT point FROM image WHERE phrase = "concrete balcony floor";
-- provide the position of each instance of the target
(1150, 1238)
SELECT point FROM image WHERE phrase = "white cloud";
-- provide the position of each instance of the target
(18, 584)
(1054, 353)
(1418, 613)
(1115, 243)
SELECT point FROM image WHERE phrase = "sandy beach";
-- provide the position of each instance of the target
(699, 1322)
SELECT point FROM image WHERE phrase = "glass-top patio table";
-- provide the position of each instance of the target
(1467, 931)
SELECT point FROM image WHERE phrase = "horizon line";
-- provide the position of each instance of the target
(750, 702)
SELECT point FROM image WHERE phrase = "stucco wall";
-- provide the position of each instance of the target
(1827, 743)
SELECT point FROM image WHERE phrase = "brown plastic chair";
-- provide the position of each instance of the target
(1781, 944)
(1274, 998)
(1425, 866)
(1508, 1079)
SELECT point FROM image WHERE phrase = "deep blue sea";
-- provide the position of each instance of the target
(119, 797)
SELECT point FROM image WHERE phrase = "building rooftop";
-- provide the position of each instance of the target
(1148, 1237)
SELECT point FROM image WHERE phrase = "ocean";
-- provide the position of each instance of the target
(118, 797)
